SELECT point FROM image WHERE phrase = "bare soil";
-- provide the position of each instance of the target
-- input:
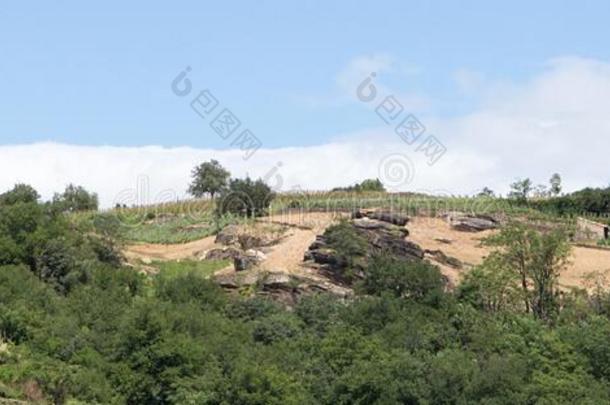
(429, 233)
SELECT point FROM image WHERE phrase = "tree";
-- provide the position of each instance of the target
(76, 198)
(372, 185)
(551, 252)
(246, 197)
(414, 280)
(21, 193)
(521, 189)
(486, 192)
(209, 177)
(491, 286)
(536, 257)
(555, 182)
(541, 191)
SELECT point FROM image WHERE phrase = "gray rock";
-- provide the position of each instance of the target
(380, 237)
(227, 253)
(442, 258)
(248, 260)
(228, 236)
(394, 218)
(471, 223)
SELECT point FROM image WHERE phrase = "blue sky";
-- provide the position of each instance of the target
(99, 73)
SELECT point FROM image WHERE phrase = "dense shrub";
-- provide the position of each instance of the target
(75, 329)
(414, 280)
(76, 198)
(246, 197)
(368, 185)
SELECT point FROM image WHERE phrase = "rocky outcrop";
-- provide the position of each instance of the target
(376, 236)
(248, 259)
(227, 253)
(228, 235)
(471, 223)
(440, 257)
(246, 238)
(282, 287)
(382, 236)
(394, 218)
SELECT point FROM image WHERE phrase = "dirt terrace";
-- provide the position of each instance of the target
(430, 233)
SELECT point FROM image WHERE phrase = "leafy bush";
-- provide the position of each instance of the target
(74, 199)
(414, 280)
(246, 198)
(350, 246)
(368, 185)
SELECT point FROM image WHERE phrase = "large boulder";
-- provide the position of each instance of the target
(471, 223)
(391, 217)
(227, 253)
(382, 236)
(248, 259)
(228, 236)
(285, 288)
(440, 257)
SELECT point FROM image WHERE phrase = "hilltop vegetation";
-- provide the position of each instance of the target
(78, 326)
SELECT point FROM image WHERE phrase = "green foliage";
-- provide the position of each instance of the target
(199, 268)
(368, 185)
(555, 184)
(536, 257)
(492, 286)
(414, 280)
(74, 199)
(75, 328)
(350, 247)
(209, 178)
(589, 201)
(520, 190)
(21, 193)
(245, 197)
(38, 236)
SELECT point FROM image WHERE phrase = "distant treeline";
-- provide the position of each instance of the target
(594, 201)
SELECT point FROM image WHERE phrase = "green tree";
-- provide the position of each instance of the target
(491, 286)
(536, 257)
(372, 185)
(208, 178)
(246, 197)
(76, 198)
(21, 193)
(486, 192)
(521, 189)
(415, 280)
(555, 183)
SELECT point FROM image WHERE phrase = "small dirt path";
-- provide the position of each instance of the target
(152, 251)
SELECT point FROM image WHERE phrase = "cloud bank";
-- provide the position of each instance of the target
(558, 121)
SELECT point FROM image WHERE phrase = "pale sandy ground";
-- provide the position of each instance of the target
(287, 256)
(466, 247)
(151, 251)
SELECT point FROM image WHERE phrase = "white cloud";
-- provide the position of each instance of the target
(382, 68)
(117, 172)
(556, 122)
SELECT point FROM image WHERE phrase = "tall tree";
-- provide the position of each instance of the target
(209, 178)
(76, 198)
(537, 258)
(486, 192)
(21, 193)
(521, 189)
(555, 184)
